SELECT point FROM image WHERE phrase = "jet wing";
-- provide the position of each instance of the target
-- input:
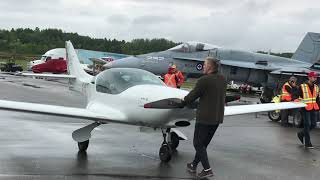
(298, 71)
(111, 116)
(64, 76)
(250, 65)
(189, 58)
(243, 64)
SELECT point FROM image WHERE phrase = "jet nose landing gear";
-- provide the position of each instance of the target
(169, 144)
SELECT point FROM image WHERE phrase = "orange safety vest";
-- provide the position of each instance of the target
(310, 98)
(285, 95)
(180, 77)
(170, 80)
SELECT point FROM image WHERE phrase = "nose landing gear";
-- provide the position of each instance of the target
(169, 144)
(83, 146)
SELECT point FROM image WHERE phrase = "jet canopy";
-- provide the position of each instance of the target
(117, 80)
(193, 47)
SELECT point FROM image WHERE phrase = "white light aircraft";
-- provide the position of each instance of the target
(129, 96)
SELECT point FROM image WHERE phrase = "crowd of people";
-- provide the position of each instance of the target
(308, 93)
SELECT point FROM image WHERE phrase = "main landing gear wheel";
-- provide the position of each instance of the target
(274, 116)
(174, 141)
(165, 153)
(83, 146)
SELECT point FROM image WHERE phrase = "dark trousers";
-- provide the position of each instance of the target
(284, 117)
(309, 122)
(203, 134)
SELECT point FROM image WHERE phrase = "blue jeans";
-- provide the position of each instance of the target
(203, 134)
(309, 122)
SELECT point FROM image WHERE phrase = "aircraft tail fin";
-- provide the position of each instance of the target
(309, 49)
(75, 69)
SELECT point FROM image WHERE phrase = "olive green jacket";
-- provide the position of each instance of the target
(211, 89)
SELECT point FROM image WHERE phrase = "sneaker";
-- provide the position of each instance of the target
(300, 136)
(205, 174)
(309, 146)
(191, 168)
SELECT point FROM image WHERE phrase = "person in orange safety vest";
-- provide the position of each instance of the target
(179, 76)
(170, 78)
(288, 91)
(309, 94)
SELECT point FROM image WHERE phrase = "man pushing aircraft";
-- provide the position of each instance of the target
(211, 89)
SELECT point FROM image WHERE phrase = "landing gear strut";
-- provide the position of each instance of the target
(165, 151)
(83, 146)
(174, 140)
(169, 144)
(83, 135)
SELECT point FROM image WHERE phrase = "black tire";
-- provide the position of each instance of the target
(274, 116)
(165, 153)
(83, 146)
(174, 141)
(297, 120)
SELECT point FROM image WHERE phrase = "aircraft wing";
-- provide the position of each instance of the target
(189, 58)
(64, 76)
(172, 103)
(253, 108)
(298, 71)
(112, 116)
(250, 65)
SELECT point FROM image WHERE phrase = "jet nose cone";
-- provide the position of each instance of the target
(129, 62)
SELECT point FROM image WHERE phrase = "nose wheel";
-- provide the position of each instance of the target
(166, 149)
(165, 153)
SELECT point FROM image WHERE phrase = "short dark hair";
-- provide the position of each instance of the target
(213, 62)
(293, 79)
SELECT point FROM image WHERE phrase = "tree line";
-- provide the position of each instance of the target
(29, 41)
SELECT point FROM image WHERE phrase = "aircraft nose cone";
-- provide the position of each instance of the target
(129, 62)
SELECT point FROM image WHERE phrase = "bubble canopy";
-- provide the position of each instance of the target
(117, 80)
(193, 46)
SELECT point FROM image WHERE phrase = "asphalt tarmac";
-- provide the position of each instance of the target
(41, 147)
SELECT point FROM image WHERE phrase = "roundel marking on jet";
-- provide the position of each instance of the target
(199, 66)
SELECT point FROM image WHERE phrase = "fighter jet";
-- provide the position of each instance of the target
(237, 65)
(129, 96)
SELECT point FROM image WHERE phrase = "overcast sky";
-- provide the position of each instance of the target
(252, 25)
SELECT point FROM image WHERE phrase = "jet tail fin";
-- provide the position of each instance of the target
(75, 69)
(309, 49)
